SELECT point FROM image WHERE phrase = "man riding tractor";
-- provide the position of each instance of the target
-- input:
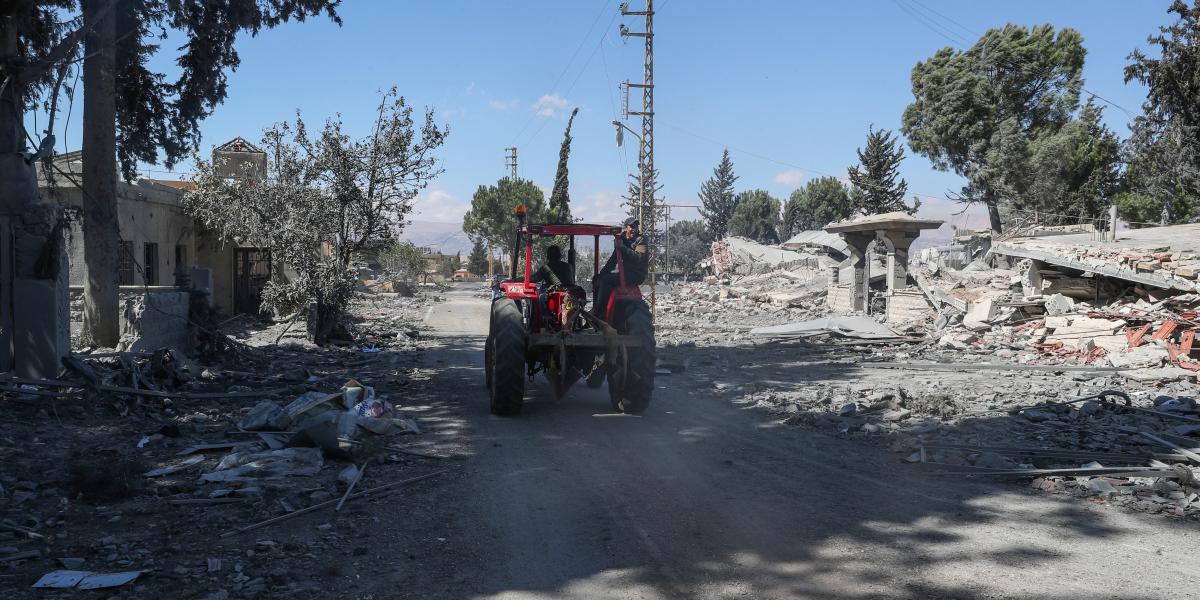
(539, 323)
(632, 245)
(555, 271)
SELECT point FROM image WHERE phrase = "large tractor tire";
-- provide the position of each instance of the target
(631, 392)
(487, 350)
(506, 347)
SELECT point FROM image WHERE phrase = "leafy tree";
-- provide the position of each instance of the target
(874, 180)
(493, 218)
(477, 260)
(820, 202)
(717, 200)
(1142, 210)
(690, 244)
(446, 268)
(1075, 172)
(403, 261)
(329, 189)
(560, 200)
(756, 216)
(1163, 150)
(977, 111)
(134, 113)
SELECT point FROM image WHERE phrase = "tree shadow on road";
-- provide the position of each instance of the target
(703, 498)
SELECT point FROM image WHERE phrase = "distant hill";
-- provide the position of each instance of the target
(446, 238)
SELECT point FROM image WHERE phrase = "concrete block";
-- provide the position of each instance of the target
(979, 313)
(202, 279)
(155, 320)
(1059, 304)
(41, 326)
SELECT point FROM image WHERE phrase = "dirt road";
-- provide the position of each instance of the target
(701, 498)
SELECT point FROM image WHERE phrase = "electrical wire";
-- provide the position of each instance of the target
(931, 24)
(578, 75)
(582, 41)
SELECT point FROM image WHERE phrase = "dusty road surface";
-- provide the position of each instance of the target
(701, 498)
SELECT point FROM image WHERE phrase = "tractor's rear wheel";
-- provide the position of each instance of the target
(631, 392)
(506, 346)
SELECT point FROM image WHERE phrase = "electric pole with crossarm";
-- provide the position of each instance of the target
(646, 211)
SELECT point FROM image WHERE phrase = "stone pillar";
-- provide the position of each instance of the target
(1031, 277)
(898, 245)
(860, 285)
(37, 333)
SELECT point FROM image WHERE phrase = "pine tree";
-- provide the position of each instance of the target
(477, 260)
(633, 196)
(716, 198)
(560, 199)
(877, 186)
(820, 202)
(756, 216)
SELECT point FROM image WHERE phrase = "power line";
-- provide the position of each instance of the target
(582, 41)
(960, 26)
(578, 75)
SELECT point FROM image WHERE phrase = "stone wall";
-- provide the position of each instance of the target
(839, 299)
(162, 321)
(155, 320)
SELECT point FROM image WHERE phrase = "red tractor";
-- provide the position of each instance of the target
(540, 328)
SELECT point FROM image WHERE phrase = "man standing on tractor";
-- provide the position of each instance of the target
(632, 245)
(555, 271)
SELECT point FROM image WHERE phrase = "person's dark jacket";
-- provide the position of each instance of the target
(554, 272)
(636, 254)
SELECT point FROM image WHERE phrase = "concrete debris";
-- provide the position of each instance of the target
(1004, 340)
(1058, 304)
(851, 327)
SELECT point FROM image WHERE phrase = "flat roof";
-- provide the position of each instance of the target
(893, 220)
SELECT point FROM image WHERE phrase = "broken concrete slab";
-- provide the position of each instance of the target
(845, 326)
(1146, 356)
(1161, 374)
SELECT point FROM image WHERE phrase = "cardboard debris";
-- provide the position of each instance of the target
(271, 464)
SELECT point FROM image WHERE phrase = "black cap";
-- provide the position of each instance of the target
(632, 221)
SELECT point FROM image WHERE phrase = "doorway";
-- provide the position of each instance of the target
(251, 272)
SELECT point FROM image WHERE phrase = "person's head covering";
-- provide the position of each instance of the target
(553, 252)
(632, 222)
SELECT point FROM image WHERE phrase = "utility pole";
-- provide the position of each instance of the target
(510, 161)
(646, 212)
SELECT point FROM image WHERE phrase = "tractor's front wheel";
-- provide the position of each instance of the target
(631, 383)
(506, 354)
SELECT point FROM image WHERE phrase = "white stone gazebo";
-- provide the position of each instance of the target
(896, 231)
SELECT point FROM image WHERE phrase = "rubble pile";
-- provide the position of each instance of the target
(1066, 371)
(707, 312)
(1130, 447)
(1178, 266)
(121, 471)
(1155, 337)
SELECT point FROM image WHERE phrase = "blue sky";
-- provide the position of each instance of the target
(789, 87)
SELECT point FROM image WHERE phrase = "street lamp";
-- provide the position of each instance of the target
(621, 129)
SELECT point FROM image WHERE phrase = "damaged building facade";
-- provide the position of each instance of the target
(163, 254)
